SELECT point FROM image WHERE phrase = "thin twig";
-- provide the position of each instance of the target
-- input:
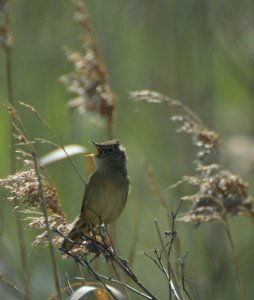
(173, 284)
(162, 267)
(44, 210)
(124, 266)
(155, 187)
(118, 276)
(183, 262)
(154, 260)
(83, 261)
(125, 285)
(173, 233)
(109, 253)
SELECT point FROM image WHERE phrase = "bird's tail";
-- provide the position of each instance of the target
(79, 226)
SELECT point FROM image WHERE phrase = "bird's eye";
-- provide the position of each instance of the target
(110, 150)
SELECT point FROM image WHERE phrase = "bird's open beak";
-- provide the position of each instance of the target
(98, 146)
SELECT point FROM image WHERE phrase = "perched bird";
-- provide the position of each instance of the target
(105, 193)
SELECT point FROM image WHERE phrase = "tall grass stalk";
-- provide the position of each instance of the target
(235, 260)
(7, 46)
(51, 247)
(172, 278)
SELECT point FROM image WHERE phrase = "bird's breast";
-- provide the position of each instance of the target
(108, 199)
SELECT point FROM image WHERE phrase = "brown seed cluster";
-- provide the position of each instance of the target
(89, 81)
(56, 222)
(202, 136)
(24, 186)
(219, 194)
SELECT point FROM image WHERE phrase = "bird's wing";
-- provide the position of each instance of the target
(126, 189)
(90, 186)
(84, 199)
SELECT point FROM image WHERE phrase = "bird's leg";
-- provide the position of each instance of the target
(108, 240)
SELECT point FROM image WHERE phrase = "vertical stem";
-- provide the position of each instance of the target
(45, 214)
(173, 284)
(20, 233)
(235, 261)
(10, 99)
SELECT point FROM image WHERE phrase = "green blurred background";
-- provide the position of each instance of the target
(200, 52)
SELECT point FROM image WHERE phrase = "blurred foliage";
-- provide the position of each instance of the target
(200, 52)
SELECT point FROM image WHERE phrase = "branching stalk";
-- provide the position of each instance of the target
(173, 283)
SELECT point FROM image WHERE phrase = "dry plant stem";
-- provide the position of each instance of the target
(111, 262)
(109, 254)
(235, 259)
(183, 262)
(159, 263)
(11, 285)
(118, 276)
(173, 284)
(125, 285)
(86, 264)
(81, 274)
(123, 266)
(22, 248)
(99, 276)
(51, 247)
(191, 124)
(60, 145)
(10, 100)
(156, 189)
(148, 95)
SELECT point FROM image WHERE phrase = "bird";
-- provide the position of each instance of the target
(105, 193)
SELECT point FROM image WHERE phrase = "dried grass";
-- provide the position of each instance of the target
(89, 81)
(220, 193)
